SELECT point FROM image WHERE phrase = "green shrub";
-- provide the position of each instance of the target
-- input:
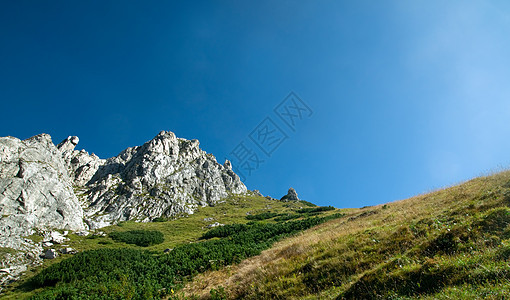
(142, 238)
(102, 274)
(496, 221)
(286, 217)
(218, 294)
(138, 274)
(262, 216)
(310, 204)
(315, 209)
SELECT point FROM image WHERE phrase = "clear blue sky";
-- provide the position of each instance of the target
(407, 96)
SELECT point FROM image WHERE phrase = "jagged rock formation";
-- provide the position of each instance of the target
(35, 189)
(81, 166)
(44, 187)
(164, 177)
(291, 195)
(35, 194)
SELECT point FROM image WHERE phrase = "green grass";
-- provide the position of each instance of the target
(137, 274)
(452, 243)
(142, 238)
(176, 231)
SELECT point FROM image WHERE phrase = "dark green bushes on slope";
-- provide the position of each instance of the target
(137, 274)
(315, 209)
(263, 216)
(142, 238)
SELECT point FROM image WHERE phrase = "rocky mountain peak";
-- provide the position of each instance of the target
(227, 165)
(291, 195)
(163, 177)
(68, 144)
(44, 187)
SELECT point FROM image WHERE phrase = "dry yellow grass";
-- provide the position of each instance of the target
(278, 272)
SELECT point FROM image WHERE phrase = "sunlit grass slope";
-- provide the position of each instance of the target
(449, 244)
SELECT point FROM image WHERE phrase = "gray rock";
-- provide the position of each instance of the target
(82, 233)
(47, 244)
(54, 237)
(215, 224)
(68, 250)
(50, 254)
(227, 165)
(291, 195)
(35, 189)
(80, 165)
(164, 177)
(44, 188)
(36, 194)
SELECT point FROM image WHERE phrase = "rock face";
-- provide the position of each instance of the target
(291, 196)
(36, 193)
(80, 165)
(163, 177)
(44, 187)
(35, 188)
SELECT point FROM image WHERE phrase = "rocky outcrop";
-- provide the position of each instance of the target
(36, 194)
(164, 177)
(291, 196)
(44, 188)
(47, 186)
(35, 189)
(80, 165)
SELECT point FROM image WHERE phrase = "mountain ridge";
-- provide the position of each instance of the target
(46, 187)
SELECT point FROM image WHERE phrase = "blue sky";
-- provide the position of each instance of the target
(407, 96)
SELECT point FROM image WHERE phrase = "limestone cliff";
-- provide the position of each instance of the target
(44, 187)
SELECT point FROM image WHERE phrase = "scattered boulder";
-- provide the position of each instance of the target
(215, 224)
(167, 250)
(47, 244)
(291, 196)
(54, 237)
(50, 254)
(208, 219)
(68, 250)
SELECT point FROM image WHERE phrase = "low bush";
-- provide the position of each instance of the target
(315, 209)
(139, 274)
(142, 238)
(286, 217)
(262, 216)
(310, 204)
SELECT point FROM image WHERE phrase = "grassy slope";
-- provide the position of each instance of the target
(449, 244)
(184, 229)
